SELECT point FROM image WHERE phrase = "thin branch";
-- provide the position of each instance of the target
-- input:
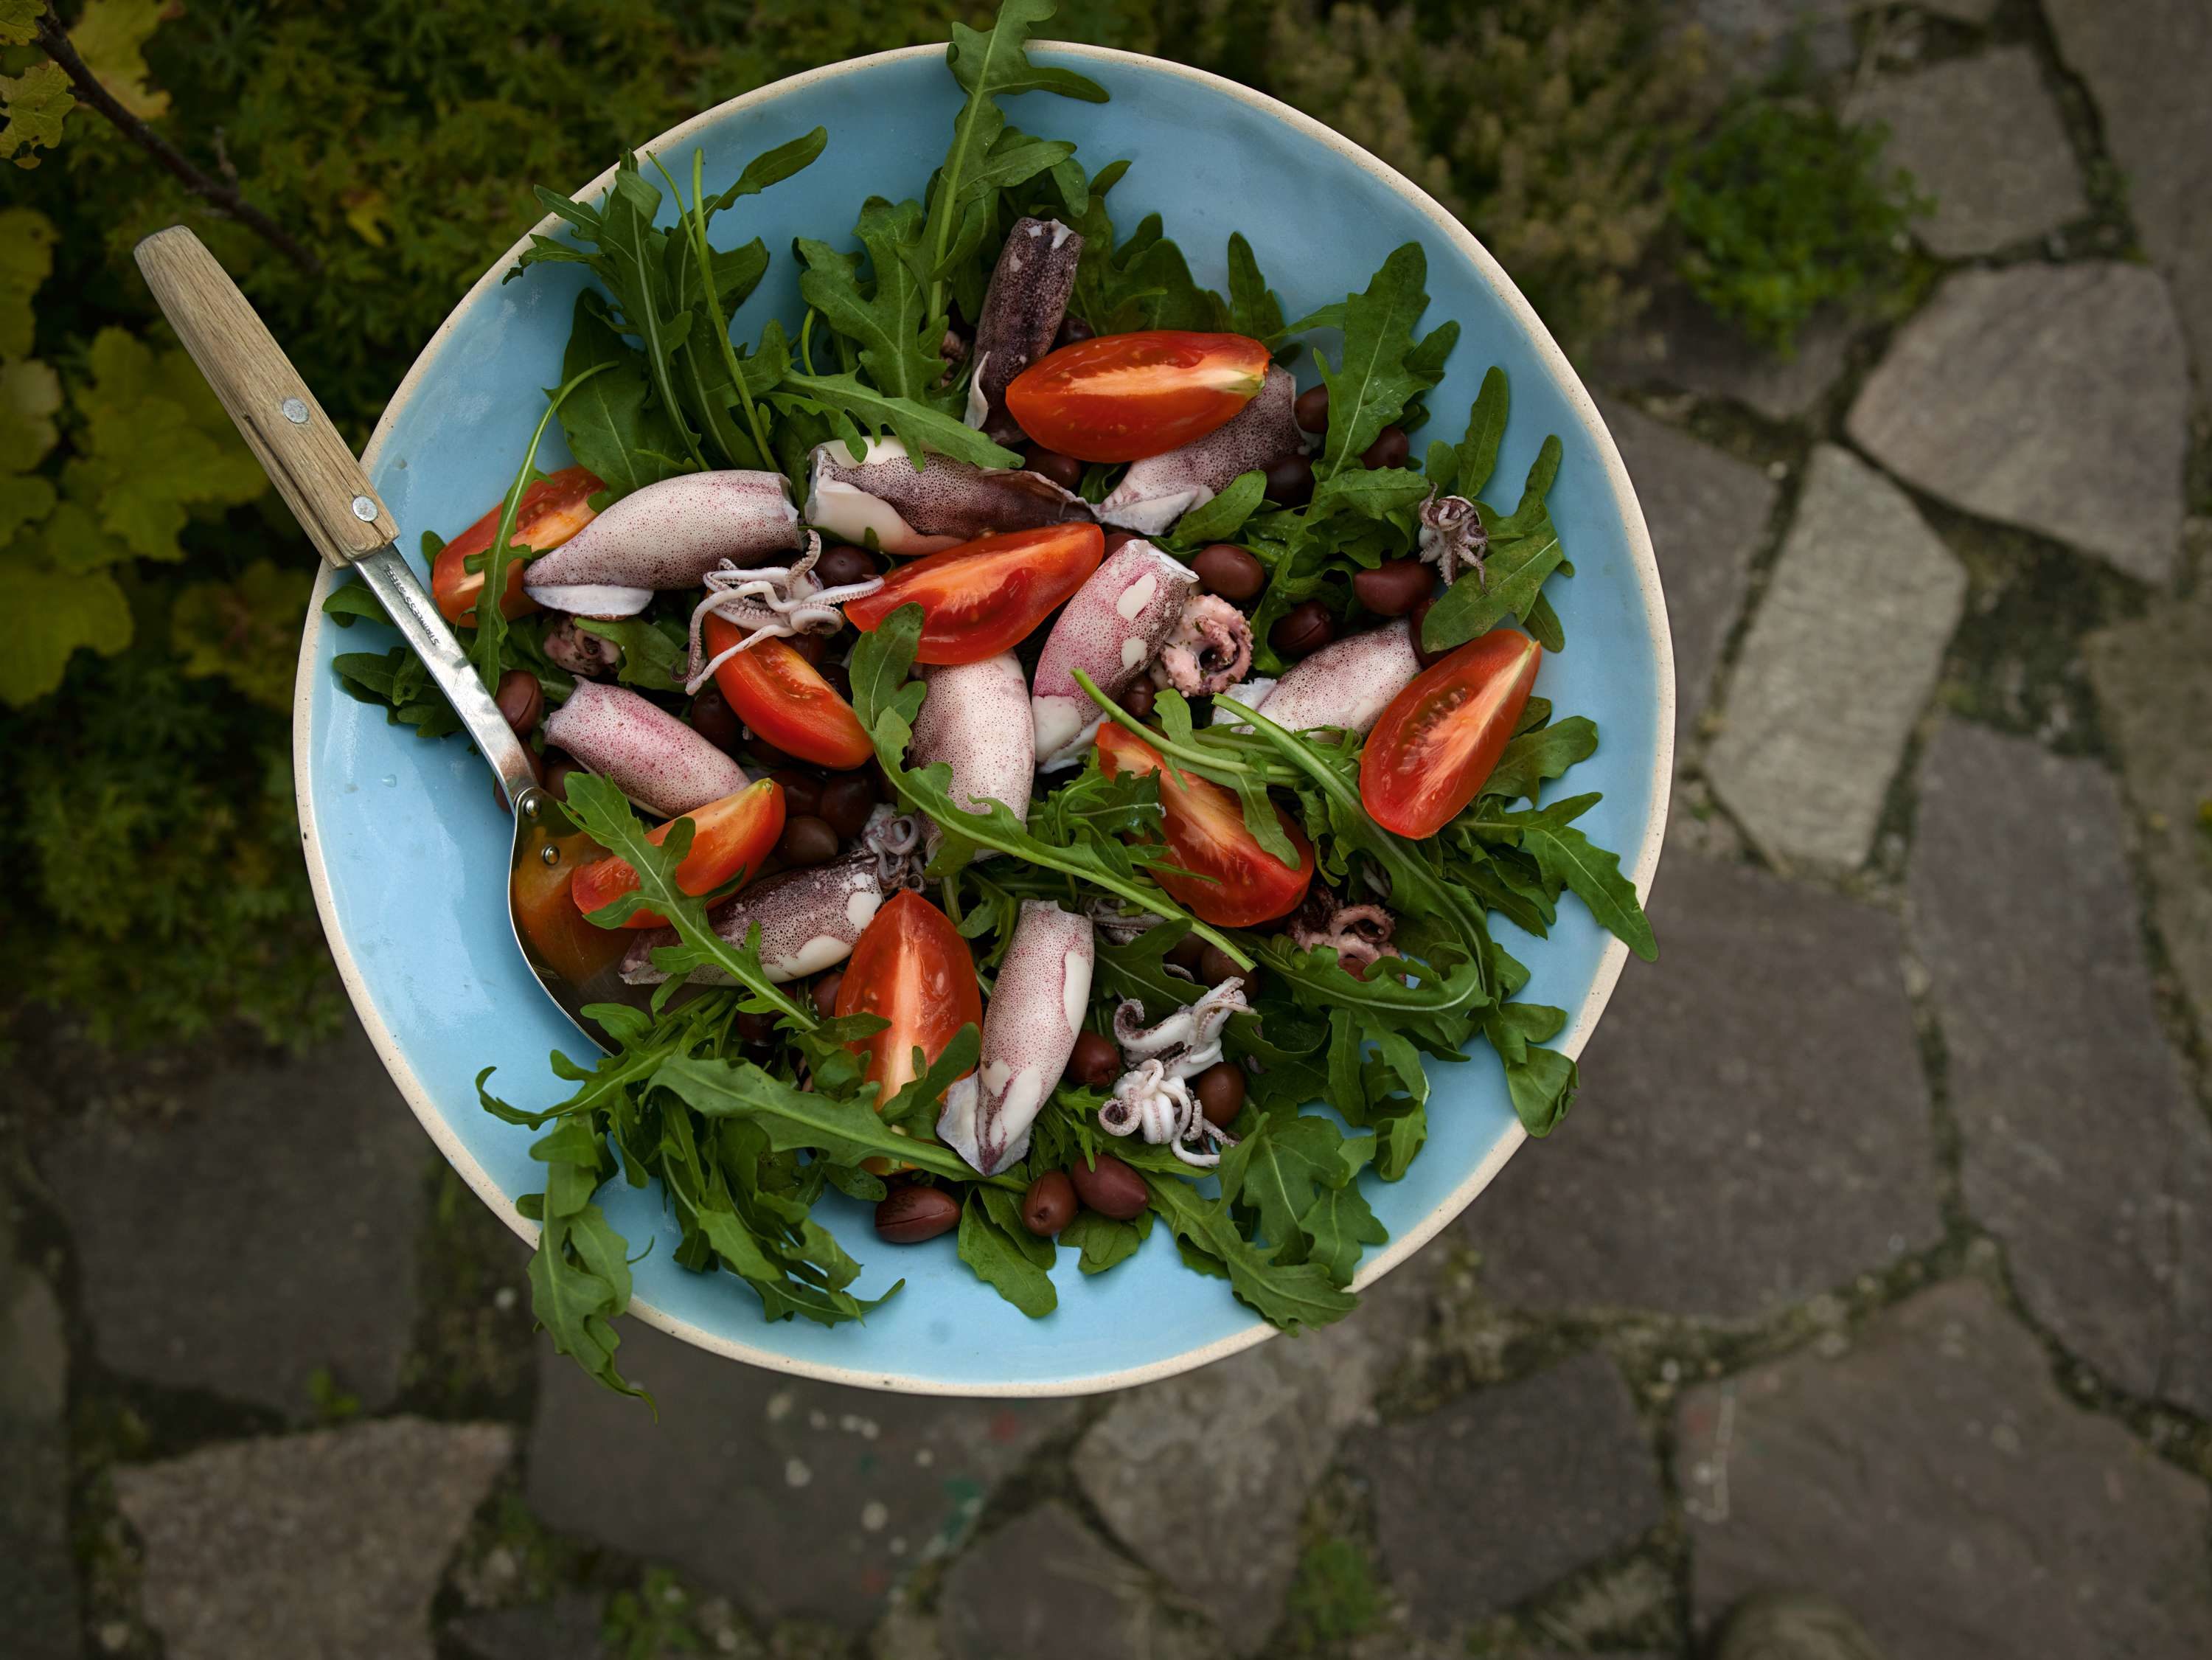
(225, 199)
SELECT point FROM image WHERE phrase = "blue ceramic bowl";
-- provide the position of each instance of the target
(408, 851)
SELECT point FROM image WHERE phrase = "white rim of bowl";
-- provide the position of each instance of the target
(1579, 1024)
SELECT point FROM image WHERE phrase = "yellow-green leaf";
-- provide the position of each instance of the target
(22, 502)
(34, 103)
(73, 543)
(19, 21)
(30, 393)
(110, 37)
(44, 616)
(27, 255)
(247, 631)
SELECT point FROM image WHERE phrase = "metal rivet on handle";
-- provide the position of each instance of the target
(295, 411)
(364, 509)
(550, 855)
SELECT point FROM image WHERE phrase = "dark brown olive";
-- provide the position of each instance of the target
(1064, 470)
(802, 793)
(521, 699)
(846, 801)
(1420, 620)
(842, 564)
(1393, 587)
(1226, 570)
(907, 1216)
(1302, 630)
(765, 755)
(1094, 1062)
(872, 771)
(1390, 449)
(1139, 698)
(556, 768)
(1188, 952)
(813, 647)
(1221, 1092)
(1290, 480)
(1311, 411)
(1072, 329)
(807, 840)
(1050, 1205)
(1216, 965)
(1112, 1189)
(714, 720)
(839, 678)
(756, 1028)
(825, 992)
(1118, 540)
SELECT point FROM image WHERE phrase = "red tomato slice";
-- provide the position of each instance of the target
(1439, 740)
(1124, 397)
(551, 926)
(730, 835)
(1206, 834)
(553, 509)
(777, 693)
(911, 967)
(984, 596)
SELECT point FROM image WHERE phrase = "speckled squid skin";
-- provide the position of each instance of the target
(1029, 1032)
(945, 503)
(1022, 310)
(1348, 684)
(976, 721)
(1116, 625)
(666, 536)
(641, 749)
(808, 920)
(1160, 489)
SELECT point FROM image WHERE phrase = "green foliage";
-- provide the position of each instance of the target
(1335, 1596)
(1784, 209)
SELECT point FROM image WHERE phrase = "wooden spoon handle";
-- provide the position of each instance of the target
(306, 457)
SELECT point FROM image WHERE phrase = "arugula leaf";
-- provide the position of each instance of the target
(892, 325)
(1003, 1253)
(1524, 550)
(859, 409)
(773, 167)
(397, 681)
(580, 1274)
(1277, 1169)
(1533, 756)
(611, 426)
(1103, 1241)
(1568, 858)
(1372, 384)
(1254, 309)
(1220, 519)
(654, 653)
(1339, 1224)
(1292, 1295)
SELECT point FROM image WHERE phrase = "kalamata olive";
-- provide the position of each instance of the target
(1216, 965)
(1221, 1092)
(756, 1028)
(1390, 449)
(802, 793)
(1290, 480)
(839, 678)
(1072, 329)
(845, 802)
(1393, 587)
(521, 699)
(714, 720)
(1311, 411)
(1188, 952)
(1302, 630)
(1226, 570)
(1138, 699)
(1094, 1062)
(825, 992)
(1064, 470)
(813, 647)
(907, 1216)
(1111, 1189)
(1420, 620)
(557, 768)
(765, 755)
(1118, 540)
(1050, 1205)
(807, 840)
(842, 564)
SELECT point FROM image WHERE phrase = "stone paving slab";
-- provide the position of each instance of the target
(2081, 1148)
(38, 1577)
(1936, 1482)
(1840, 659)
(566, 1628)
(796, 1498)
(2054, 398)
(1679, 342)
(1045, 1585)
(2153, 681)
(268, 1231)
(1204, 1477)
(1495, 1495)
(1752, 1127)
(2145, 62)
(1707, 512)
(1982, 136)
(1754, 37)
(1961, 11)
(327, 1545)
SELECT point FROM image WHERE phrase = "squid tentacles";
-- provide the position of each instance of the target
(944, 502)
(1347, 685)
(1358, 934)
(1154, 1096)
(1116, 625)
(1159, 489)
(1029, 1032)
(668, 535)
(1022, 310)
(1452, 535)
(1211, 649)
(643, 750)
(977, 719)
(768, 602)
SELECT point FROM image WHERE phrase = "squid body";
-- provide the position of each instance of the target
(1022, 310)
(1160, 489)
(976, 721)
(1029, 1032)
(1116, 624)
(646, 752)
(668, 535)
(1348, 684)
(944, 502)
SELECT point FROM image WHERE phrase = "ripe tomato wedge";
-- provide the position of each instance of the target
(551, 926)
(1124, 397)
(1206, 834)
(1439, 740)
(553, 509)
(911, 967)
(730, 835)
(983, 596)
(777, 693)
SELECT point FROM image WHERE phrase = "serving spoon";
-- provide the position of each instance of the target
(316, 474)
